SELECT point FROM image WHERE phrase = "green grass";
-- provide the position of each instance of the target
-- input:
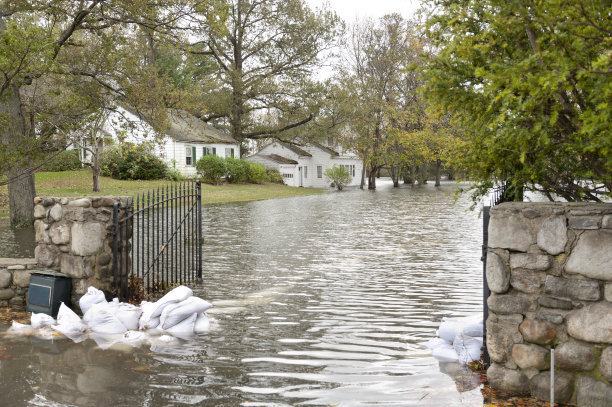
(79, 183)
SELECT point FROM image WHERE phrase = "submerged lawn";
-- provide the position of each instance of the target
(79, 183)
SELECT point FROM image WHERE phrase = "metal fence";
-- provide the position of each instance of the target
(158, 243)
(498, 195)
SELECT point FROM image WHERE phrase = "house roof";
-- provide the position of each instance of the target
(326, 149)
(297, 150)
(281, 160)
(186, 127)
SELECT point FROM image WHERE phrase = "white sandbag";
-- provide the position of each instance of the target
(91, 297)
(41, 320)
(474, 329)
(445, 353)
(434, 343)
(449, 328)
(153, 323)
(178, 294)
(17, 328)
(147, 309)
(128, 315)
(134, 338)
(175, 313)
(101, 319)
(69, 323)
(468, 348)
(105, 341)
(202, 323)
(184, 327)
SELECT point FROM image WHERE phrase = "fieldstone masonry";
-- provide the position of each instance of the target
(73, 236)
(549, 269)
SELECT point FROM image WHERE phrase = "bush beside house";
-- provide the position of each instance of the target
(133, 162)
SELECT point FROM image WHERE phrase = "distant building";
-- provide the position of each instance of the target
(305, 166)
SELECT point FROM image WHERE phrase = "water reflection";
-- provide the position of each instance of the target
(17, 243)
(320, 300)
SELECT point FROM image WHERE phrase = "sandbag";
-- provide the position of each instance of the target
(91, 297)
(128, 315)
(468, 348)
(41, 320)
(445, 353)
(184, 327)
(475, 329)
(175, 313)
(434, 343)
(202, 323)
(101, 319)
(178, 294)
(449, 328)
(69, 323)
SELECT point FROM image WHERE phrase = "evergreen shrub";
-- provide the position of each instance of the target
(211, 169)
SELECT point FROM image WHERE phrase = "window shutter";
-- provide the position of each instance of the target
(214, 150)
(193, 152)
(203, 151)
(232, 153)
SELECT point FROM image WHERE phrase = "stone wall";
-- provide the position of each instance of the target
(74, 236)
(549, 268)
(14, 280)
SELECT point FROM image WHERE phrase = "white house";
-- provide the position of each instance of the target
(185, 141)
(305, 166)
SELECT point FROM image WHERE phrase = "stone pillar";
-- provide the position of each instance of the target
(75, 237)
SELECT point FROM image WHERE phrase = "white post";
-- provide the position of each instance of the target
(552, 375)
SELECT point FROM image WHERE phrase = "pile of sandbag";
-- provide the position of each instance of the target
(177, 313)
(459, 340)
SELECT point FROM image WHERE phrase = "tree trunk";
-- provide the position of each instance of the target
(438, 165)
(95, 169)
(395, 174)
(21, 183)
(363, 174)
(372, 178)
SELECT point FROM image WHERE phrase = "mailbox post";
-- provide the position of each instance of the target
(47, 290)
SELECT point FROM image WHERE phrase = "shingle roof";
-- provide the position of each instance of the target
(186, 127)
(281, 160)
(297, 150)
(327, 149)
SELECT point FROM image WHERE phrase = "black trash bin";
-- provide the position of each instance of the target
(48, 289)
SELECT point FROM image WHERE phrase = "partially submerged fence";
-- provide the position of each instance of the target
(158, 243)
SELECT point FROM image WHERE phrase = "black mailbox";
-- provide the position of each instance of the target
(47, 290)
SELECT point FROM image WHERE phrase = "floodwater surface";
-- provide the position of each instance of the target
(318, 300)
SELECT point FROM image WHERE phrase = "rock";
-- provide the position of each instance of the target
(584, 223)
(46, 256)
(17, 300)
(16, 267)
(586, 290)
(574, 356)
(87, 238)
(498, 274)
(606, 222)
(509, 231)
(5, 278)
(6, 294)
(608, 292)
(529, 261)
(509, 381)
(76, 266)
(592, 393)
(37, 200)
(591, 323)
(104, 259)
(502, 334)
(592, 256)
(507, 304)
(59, 234)
(551, 302)
(527, 281)
(605, 363)
(40, 233)
(64, 201)
(552, 236)
(39, 212)
(81, 203)
(540, 332)
(48, 201)
(21, 278)
(102, 201)
(540, 387)
(550, 316)
(530, 356)
(56, 212)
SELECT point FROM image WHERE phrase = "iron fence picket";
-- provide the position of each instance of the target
(158, 240)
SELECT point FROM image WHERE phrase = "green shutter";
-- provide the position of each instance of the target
(203, 151)
(214, 150)
(232, 153)
(193, 153)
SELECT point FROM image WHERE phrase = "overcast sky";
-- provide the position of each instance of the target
(349, 10)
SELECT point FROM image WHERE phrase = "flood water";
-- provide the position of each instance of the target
(318, 300)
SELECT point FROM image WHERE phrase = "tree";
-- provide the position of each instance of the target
(265, 55)
(339, 176)
(48, 48)
(528, 85)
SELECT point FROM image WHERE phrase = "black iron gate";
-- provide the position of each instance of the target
(498, 195)
(158, 242)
